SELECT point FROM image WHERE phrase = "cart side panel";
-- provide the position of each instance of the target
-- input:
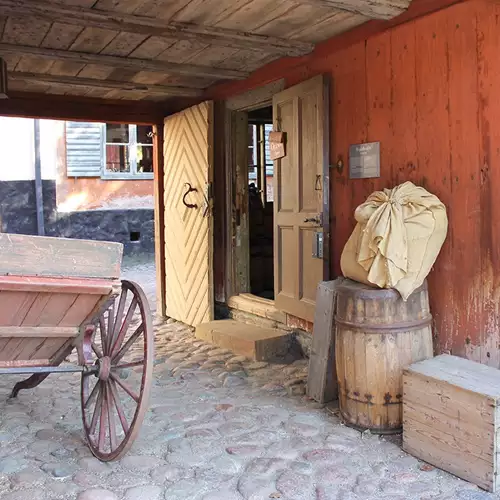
(36, 325)
(44, 256)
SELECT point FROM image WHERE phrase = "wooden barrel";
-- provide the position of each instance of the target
(378, 335)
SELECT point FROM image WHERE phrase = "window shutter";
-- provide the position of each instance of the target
(84, 149)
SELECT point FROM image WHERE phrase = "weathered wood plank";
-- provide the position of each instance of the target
(80, 310)
(38, 331)
(162, 90)
(153, 26)
(64, 285)
(123, 62)
(43, 256)
(322, 384)
(375, 9)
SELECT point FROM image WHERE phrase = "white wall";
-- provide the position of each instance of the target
(17, 156)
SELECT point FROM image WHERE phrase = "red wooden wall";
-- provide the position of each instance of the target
(429, 91)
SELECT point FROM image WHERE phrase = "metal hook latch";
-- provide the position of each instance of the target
(191, 189)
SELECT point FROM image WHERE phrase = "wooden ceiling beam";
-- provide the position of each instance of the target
(123, 62)
(162, 90)
(70, 107)
(374, 9)
(153, 27)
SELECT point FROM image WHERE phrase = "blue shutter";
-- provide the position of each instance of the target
(84, 149)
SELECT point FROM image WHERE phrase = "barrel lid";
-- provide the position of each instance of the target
(362, 290)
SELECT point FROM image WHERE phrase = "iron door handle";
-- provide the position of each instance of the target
(191, 189)
(315, 220)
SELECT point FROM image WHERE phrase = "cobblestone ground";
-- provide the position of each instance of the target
(220, 428)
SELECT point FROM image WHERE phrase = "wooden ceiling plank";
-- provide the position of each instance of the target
(182, 51)
(162, 9)
(124, 44)
(93, 40)
(61, 36)
(331, 26)
(34, 64)
(125, 6)
(165, 90)
(95, 71)
(123, 62)
(25, 30)
(157, 27)
(66, 68)
(374, 9)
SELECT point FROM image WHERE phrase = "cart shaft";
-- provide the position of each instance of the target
(48, 369)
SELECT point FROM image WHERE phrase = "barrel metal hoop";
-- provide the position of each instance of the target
(402, 327)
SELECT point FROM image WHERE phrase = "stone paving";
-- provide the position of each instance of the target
(220, 428)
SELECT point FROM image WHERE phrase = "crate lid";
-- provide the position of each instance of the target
(462, 373)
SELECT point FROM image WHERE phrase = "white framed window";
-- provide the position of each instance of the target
(127, 151)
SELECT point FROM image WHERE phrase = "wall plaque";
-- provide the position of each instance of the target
(364, 160)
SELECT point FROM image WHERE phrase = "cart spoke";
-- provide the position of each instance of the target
(96, 350)
(102, 328)
(92, 396)
(103, 417)
(97, 411)
(118, 406)
(129, 365)
(111, 325)
(125, 387)
(111, 418)
(118, 320)
(128, 344)
(118, 339)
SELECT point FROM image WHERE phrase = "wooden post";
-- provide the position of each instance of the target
(159, 194)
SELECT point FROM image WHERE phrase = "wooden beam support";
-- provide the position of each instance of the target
(374, 9)
(123, 62)
(153, 27)
(165, 90)
(75, 108)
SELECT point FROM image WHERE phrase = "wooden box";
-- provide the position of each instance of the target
(451, 415)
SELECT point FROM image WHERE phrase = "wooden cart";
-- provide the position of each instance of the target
(62, 299)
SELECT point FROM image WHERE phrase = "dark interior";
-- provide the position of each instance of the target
(260, 201)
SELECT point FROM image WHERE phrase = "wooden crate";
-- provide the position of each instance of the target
(451, 415)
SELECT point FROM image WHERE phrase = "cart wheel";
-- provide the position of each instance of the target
(115, 398)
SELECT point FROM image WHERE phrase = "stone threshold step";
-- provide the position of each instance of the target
(254, 342)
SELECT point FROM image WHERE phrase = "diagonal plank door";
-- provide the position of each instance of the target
(300, 185)
(188, 230)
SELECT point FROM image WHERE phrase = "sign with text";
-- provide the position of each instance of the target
(364, 160)
(277, 145)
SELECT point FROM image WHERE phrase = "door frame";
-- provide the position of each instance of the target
(237, 276)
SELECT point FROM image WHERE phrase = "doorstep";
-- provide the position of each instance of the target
(254, 342)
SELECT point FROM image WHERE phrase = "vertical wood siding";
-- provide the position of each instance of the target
(429, 91)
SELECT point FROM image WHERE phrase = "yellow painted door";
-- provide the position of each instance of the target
(188, 217)
(300, 112)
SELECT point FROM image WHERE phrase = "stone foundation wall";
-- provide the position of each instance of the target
(134, 228)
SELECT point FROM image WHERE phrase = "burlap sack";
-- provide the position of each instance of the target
(397, 239)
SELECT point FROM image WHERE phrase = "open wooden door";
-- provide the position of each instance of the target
(188, 178)
(301, 186)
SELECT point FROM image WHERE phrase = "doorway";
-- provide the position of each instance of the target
(278, 211)
(260, 203)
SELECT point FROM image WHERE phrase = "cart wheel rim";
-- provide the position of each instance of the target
(113, 409)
